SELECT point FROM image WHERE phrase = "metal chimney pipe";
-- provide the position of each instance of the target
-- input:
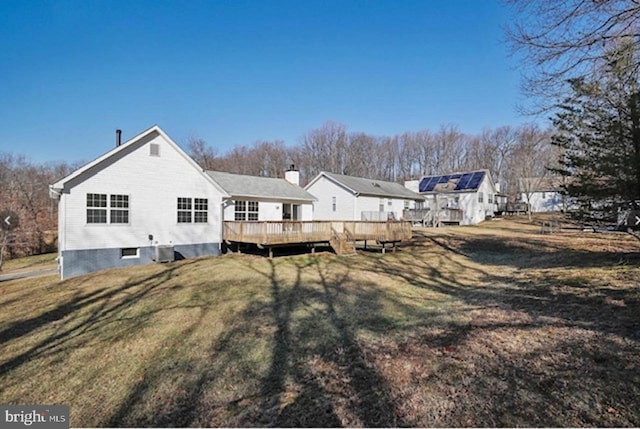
(118, 137)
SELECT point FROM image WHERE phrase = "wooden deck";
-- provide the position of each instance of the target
(271, 233)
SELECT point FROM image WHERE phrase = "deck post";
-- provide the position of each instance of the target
(384, 248)
(365, 244)
(270, 252)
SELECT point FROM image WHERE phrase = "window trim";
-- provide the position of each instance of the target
(106, 209)
(123, 256)
(249, 210)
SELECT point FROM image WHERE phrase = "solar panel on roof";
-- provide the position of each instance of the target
(475, 180)
(432, 184)
(463, 182)
(424, 184)
(443, 179)
(456, 176)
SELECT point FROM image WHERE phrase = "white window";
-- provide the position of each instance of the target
(490, 199)
(381, 205)
(480, 197)
(389, 202)
(154, 149)
(129, 252)
(192, 210)
(544, 195)
(96, 208)
(118, 209)
(201, 208)
(406, 204)
(184, 210)
(246, 210)
(333, 203)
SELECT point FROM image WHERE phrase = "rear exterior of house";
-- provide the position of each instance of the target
(145, 193)
(473, 195)
(254, 198)
(341, 197)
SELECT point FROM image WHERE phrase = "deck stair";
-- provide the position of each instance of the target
(342, 243)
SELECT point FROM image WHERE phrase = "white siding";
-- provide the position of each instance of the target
(324, 190)
(473, 211)
(551, 202)
(153, 184)
(269, 210)
(372, 204)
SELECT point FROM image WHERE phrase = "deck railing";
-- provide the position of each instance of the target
(286, 232)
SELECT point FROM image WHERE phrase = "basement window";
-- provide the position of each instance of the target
(129, 252)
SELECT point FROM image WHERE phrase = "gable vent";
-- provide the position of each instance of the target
(154, 149)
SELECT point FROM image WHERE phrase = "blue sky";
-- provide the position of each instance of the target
(235, 72)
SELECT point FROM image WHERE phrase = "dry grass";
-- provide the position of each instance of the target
(495, 325)
(44, 261)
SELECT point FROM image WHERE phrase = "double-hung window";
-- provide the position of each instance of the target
(246, 210)
(184, 210)
(193, 210)
(200, 209)
(117, 212)
(96, 208)
(119, 209)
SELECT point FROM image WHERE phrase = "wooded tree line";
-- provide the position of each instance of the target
(509, 153)
(24, 192)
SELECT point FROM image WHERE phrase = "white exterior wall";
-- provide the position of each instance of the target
(474, 211)
(412, 185)
(270, 210)
(324, 189)
(153, 184)
(372, 204)
(551, 202)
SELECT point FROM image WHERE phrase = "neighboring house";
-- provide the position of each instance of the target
(543, 194)
(148, 195)
(254, 198)
(470, 196)
(340, 197)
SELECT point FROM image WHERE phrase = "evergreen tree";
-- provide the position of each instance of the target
(598, 130)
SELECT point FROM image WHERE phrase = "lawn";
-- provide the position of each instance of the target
(496, 325)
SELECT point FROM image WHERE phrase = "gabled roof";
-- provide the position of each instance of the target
(119, 151)
(456, 182)
(242, 186)
(371, 187)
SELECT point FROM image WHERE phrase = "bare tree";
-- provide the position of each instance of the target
(325, 148)
(358, 157)
(565, 39)
(532, 158)
(202, 153)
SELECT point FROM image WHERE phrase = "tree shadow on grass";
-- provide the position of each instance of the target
(105, 303)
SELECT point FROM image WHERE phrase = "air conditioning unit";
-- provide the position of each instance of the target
(164, 253)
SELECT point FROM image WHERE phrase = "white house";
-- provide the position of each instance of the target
(263, 198)
(472, 195)
(543, 194)
(147, 194)
(340, 197)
